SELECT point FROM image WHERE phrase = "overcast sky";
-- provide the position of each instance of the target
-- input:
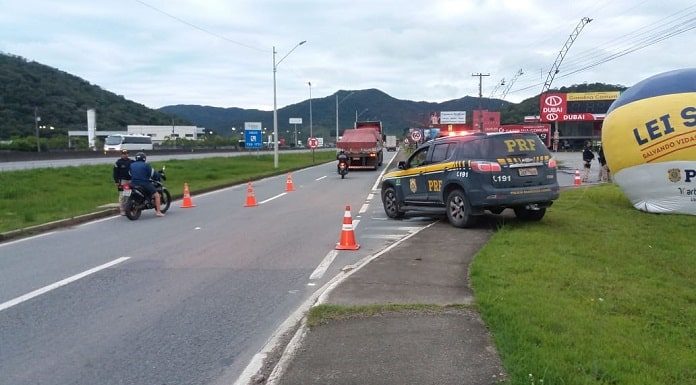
(219, 52)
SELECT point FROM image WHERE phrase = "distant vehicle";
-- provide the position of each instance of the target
(463, 176)
(127, 142)
(390, 143)
(363, 145)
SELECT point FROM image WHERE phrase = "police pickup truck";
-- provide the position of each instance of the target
(466, 175)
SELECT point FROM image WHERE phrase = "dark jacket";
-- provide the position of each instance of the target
(587, 155)
(122, 169)
(342, 157)
(142, 172)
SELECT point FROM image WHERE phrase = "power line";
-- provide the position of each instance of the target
(661, 35)
(180, 20)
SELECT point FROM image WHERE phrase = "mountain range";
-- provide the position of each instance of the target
(29, 89)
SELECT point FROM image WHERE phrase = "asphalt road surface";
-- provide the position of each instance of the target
(185, 299)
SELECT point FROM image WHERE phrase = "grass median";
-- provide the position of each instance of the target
(32, 197)
(595, 293)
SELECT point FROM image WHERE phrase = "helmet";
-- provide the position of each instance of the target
(140, 156)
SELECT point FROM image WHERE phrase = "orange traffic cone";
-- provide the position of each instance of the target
(187, 203)
(288, 183)
(577, 181)
(347, 241)
(250, 198)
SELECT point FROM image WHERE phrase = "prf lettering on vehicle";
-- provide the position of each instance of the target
(435, 185)
(516, 145)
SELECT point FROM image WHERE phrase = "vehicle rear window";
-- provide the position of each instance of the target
(513, 145)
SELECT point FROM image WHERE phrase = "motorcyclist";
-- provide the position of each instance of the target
(141, 175)
(342, 158)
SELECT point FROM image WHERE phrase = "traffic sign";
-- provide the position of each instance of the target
(313, 142)
(252, 139)
(416, 136)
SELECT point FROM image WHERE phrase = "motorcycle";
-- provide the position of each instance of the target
(136, 198)
(342, 169)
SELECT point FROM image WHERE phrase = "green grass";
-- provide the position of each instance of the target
(32, 197)
(323, 314)
(596, 293)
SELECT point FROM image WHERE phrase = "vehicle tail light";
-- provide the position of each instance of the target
(480, 166)
(552, 163)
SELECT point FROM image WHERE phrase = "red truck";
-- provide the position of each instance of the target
(363, 144)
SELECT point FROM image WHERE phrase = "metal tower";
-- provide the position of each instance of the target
(554, 68)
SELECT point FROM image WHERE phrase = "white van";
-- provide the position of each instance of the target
(129, 142)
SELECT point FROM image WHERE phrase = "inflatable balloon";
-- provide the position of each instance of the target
(649, 141)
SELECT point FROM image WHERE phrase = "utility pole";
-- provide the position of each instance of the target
(480, 76)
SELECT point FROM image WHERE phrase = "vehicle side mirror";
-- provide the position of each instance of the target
(402, 165)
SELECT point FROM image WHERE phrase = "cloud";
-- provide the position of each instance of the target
(158, 52)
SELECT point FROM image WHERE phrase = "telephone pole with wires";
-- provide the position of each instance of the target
(480, 76)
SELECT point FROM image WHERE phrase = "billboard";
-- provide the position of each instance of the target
(252, 126)
(575, 107)
(452, 117)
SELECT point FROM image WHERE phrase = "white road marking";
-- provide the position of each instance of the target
(26, 239)
(370, 196)
(384, 236)
(98, 220)
(355, 224)
(379, 178)
(325, 263)
(364, 208)
(320, 178)
(272, 198)
(410, 229)
(58, 284)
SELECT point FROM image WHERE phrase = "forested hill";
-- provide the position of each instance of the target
(62, 101)
(370, 104)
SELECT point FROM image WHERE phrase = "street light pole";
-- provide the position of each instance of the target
(311, 131)
(36, 128)
(337, 103)
(275, 104)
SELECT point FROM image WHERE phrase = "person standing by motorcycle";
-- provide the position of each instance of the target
(342, 158)
(141, 173)
(122, 177)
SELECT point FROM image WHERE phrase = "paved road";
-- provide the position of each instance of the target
(189, 298)
(62, 162)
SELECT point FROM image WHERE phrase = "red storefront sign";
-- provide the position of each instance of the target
(552, 107)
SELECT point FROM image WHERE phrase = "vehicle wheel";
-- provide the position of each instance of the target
(343, 175)
(526, 214)
(391, 204)
(165, 201)
(132, 210)
(458, 210)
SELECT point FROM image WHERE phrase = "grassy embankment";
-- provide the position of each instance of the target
(595, 293)
(32, 197)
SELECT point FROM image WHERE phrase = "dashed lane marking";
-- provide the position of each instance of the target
(58, 284)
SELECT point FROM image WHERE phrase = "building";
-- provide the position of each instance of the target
(161, 133)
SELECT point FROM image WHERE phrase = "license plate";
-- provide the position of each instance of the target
(126, 193)
(529, 171)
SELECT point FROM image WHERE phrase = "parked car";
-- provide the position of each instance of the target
(464, 176)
